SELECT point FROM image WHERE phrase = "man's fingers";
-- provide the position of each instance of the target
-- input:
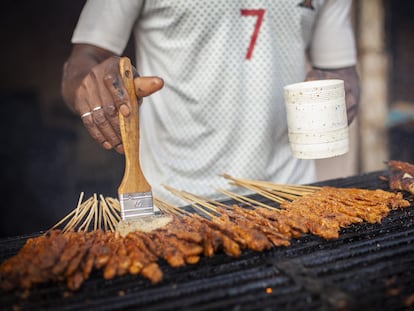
(85, 109)
(120, 149)
(105, 128)
(118, 93)
(108, 122)
(95, 133)
(98, 99)
(96, 110)
(99, 103)
(145, 86)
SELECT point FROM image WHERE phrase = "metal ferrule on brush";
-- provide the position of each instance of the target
(134, 205)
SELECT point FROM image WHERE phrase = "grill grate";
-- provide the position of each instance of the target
(369, 267)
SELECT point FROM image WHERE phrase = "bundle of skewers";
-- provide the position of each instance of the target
(88, 238)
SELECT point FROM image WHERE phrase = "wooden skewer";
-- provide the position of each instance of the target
(78, 212)
(282, 194)
(169, 208)
(264, 193)
(112, 220)
(291, 189)
(71, 214)
(204, 201)
(114, 203)
(163, 205)
(114, 210)
(105, 218)
(90, 212)
(195, 202)
(100, 216)
(79, 215)
(208, 200)
(96, 208)
(245, 200)
(208, 208)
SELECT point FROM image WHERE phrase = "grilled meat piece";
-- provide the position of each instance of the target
(401, 176)
(247, 228)
(402, 166)
(182, 231)
(136, 256)
(69, 252)
(89, 260)
(329, 209)
(152, 272)
(220, 238)
(142, 260)
(254, 220)
(75, 280)
(111, 258)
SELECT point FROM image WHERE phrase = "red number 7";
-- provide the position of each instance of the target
(259, 14)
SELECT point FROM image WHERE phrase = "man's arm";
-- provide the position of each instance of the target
(93, 89)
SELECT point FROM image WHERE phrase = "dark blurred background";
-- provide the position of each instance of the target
(47, 158)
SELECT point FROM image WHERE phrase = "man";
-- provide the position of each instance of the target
(224, 65)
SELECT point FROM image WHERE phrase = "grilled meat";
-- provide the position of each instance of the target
(72, 256)
(401, 176)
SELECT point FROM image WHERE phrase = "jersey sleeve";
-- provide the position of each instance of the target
(333, 43)
(107, 23)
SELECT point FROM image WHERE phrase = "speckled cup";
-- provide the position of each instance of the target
(317, 120)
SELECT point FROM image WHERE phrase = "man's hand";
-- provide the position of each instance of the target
(93, 89)
(351, 81)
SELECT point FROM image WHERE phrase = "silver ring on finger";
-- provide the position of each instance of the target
(86, 114)
(96, 108)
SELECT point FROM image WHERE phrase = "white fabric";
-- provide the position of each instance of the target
(219, 112)
(333, 44)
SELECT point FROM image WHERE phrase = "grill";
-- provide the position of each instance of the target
(369, 267)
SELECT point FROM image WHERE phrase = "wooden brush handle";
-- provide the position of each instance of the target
(133, 180)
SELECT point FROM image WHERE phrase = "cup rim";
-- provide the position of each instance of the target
(307, 86)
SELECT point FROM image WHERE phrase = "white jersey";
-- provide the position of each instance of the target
(224, 64)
